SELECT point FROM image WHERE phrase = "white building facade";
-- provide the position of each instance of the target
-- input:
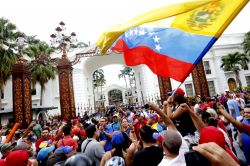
(146, 81)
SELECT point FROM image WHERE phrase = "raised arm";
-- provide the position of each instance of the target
(198, 123)
(164, 117)
(236, 123)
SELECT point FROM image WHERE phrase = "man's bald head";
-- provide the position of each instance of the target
(172, 141)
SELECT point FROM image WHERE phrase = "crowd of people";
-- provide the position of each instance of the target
(192, 132)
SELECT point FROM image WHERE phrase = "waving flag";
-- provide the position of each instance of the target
(173, 51)
(109, 36)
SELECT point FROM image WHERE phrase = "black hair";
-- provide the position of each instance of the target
(205, 117)
(67, 129)
(90, 131)
(146, 133)
(179, 99)
(212, 122)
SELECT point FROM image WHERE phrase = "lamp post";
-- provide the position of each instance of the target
(21, 88)
(64, 44)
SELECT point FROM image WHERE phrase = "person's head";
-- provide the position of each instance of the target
(115, 118)
(172, 142)
(153, 118)
(67, 150)
(45, 133)
(247, 112)
(67, 130)
(103, 121)
(146, 134)
(7, 148)
(79, 159)
(91, 131)
(18, 157)
(212, 112)
(44, 153)
(124, 123)
(24, 146)
(205, 117)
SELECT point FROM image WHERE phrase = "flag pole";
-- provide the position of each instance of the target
(176, 89)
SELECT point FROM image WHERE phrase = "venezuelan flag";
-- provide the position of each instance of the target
(173, 51)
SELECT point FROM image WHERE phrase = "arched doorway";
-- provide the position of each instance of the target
(115, 97)
(231, 84)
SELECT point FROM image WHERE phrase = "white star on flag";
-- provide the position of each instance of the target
(158, 47)
(156, 39)
(142, 32)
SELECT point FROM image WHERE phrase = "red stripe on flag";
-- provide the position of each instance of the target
(161, 65)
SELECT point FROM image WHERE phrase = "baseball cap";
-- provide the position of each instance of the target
(178, 91)
(154, 116)
(75, 130)
(74, 121)
(212, 134)
(22, 146)
(44, 152)
(17, 157)
(117, 138)
(6, 146)
(115, 115)
(64, 149)
(158, 137)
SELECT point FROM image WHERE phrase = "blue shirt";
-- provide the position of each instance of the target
(246, 142)
(108, 145)
(233, 104)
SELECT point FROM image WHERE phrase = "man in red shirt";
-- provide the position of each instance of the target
(67, 140)
(44, 138)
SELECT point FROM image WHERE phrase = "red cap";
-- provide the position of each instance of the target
(212, 134)
(179, 91)
(75, 131)
(83, 132)
(74, 121)
(18, 157)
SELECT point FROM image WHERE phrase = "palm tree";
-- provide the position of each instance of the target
(246, 44)
(235, 62)
(98, 79)
(43, 67)
(8, 56)
(127, 72)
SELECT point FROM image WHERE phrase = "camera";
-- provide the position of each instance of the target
(194, 158)
(146, 106)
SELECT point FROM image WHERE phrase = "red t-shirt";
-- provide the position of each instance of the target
(40, 140)
(68, 141)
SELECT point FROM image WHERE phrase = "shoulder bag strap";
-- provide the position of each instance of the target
(86, 145)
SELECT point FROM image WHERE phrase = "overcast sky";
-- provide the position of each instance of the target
(88, 18)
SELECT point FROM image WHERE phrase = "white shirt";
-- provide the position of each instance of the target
(178, 160)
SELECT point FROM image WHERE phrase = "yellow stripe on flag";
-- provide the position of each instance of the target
(211, 19)
(109, 36)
